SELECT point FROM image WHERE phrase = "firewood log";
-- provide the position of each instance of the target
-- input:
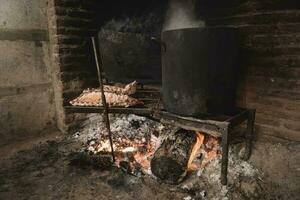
(170, 161)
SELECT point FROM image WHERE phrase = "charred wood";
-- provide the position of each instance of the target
(170, 161)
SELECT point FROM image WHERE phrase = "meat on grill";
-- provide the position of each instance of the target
(115, 96)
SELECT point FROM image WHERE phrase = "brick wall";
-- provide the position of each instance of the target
(270, 46)
(73, 22)
(270, 43)
(72, 25)
(74, 29)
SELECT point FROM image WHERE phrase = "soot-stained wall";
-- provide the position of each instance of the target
(269, 40)
(270, 45)
(73, 22)
(26, 89)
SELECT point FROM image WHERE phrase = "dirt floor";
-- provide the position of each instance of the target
(47, 170)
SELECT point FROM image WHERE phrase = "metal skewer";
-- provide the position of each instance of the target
(100, 78)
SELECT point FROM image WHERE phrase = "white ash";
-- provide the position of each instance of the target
(188, 198)
(130, 126)
(236, 168)
(207, 179)
(131, 134)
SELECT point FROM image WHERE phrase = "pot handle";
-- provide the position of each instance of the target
(161, 43)
(163, 47)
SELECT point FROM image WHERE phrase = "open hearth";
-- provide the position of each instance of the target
(215, 125)
(139, 100)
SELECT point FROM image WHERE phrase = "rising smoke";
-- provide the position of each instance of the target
(182, 14)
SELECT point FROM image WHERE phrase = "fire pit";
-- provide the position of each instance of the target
(166, 164)
(219, 126)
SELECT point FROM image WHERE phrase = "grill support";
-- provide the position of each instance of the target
(225, 147)
(222, 129)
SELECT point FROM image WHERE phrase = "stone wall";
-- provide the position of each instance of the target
(26, 90)
(270, 46)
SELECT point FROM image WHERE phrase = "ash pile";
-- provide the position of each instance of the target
(134, 140)
(137, 138)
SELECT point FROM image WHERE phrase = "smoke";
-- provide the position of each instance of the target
(182, 14)
(150, 22)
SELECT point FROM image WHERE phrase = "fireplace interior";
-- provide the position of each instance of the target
(149, 99)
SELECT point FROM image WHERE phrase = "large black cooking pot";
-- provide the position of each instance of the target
(199, 70)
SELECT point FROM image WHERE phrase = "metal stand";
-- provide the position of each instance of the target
(249, 134)
(248, 142)
(217, 128)
(225, 148)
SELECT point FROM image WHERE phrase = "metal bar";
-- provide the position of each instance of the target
(238, 118)
(210, 127)
(98, 109)
(224, 165)
(106, 117)
(249, 134)
(192, 119)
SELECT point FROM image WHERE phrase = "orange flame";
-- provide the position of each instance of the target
(196, 147)
(212, 150)
(209, 151)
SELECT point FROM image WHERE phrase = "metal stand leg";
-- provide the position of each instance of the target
(225, 145)
(249, 134)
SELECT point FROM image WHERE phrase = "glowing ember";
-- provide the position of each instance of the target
(134, 155)
(207, 148)
(128, 149)
(211, 150)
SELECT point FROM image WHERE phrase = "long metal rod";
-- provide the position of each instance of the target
(106, 117)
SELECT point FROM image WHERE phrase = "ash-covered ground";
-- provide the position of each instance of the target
(70, 168)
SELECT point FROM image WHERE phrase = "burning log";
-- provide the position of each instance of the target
(172, 159)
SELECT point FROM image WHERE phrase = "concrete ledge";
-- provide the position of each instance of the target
(27, 35)
(12, 91)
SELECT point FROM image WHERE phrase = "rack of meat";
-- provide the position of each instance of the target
(129, 99)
